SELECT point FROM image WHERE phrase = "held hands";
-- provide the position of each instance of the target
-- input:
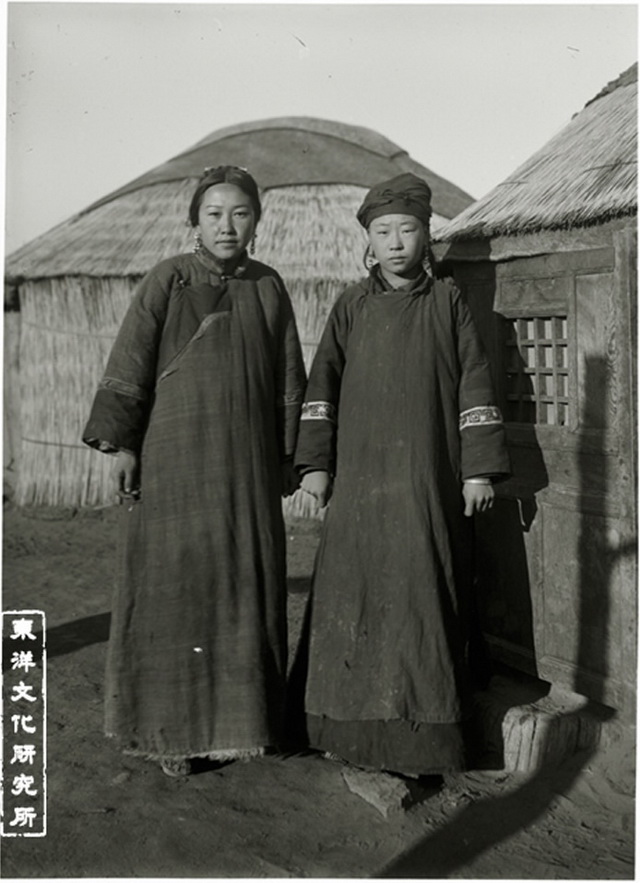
(477, 497)
(318, 485)
(127, 471)
(290, 479)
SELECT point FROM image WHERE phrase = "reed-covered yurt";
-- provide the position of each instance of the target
(67, 290)
(548, 262)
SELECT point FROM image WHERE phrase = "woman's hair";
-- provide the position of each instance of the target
(225, 175)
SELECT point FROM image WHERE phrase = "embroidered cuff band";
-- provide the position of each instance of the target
(318, 411)
(483, 416)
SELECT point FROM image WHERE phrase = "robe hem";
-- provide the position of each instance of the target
(459, 719)
(211, 754)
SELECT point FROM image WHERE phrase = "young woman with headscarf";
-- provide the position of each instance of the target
(400, 428)
(200, 401)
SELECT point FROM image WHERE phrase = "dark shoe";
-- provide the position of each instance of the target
(176, 767)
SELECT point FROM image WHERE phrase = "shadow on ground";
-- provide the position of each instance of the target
(483, 824)
(79, 633)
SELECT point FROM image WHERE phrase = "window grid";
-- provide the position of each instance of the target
(537, 389)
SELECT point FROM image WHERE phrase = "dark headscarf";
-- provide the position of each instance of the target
(225, 175)
(405, 194)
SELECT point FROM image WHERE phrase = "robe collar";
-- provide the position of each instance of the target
(379, 285)
(226, 270)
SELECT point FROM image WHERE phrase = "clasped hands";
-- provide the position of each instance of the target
(319, 485)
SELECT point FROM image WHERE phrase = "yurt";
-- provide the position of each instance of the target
(548, 261)
(67, 291)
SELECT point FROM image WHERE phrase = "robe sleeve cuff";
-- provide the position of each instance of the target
(117, 422)
(483, 444)
(484, 452)
(316, 446)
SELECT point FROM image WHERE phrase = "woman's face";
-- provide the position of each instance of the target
(226, 221)
(398, 243)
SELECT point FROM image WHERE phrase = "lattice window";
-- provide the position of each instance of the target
(537, 387)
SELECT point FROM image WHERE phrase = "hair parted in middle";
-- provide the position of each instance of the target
(225, 175)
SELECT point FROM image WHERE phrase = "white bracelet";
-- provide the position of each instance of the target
(485, 481)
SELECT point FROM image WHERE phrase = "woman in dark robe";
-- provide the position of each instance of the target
(400, 425)
(200, 400)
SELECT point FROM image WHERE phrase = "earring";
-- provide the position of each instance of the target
(368, 259)
(197, 241)
(427, 262)
(252, 245)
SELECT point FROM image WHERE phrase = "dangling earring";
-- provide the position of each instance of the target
(197, 241)
(428, 262)
(368, 258)
(252, 245)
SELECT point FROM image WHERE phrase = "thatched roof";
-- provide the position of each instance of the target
(286, 151)
(132, 228)
(585, 175)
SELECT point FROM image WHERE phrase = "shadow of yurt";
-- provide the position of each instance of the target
(69, 288)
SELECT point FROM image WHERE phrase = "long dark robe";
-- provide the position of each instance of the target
(399, 407)
(205, 382)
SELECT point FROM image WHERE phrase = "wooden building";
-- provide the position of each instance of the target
(67, 290)
(548, 263)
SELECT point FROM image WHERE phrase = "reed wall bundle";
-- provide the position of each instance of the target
(11, 401)
(68, 325)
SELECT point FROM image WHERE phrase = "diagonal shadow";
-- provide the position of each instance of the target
(485, 823)
(72, 636)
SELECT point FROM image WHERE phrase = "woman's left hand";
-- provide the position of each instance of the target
(290, 479)
(477, 497)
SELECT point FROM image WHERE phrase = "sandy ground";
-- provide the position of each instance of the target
(278, 816)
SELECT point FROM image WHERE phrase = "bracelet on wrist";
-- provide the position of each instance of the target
(485, 481)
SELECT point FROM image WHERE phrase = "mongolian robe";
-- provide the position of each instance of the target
(205, 382)
(400, 409)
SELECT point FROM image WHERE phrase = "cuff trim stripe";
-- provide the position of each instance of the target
(318, 411)
(484, 416)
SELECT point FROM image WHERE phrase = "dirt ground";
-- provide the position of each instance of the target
(277, 816)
